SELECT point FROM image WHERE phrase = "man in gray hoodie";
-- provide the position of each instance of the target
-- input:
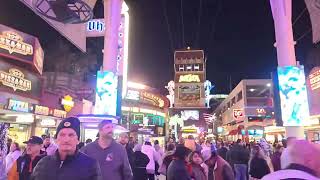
(111, 156)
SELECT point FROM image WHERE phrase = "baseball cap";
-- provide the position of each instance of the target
(34, 140)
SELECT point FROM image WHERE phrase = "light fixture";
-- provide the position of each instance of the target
(269, 85)
(251, 90)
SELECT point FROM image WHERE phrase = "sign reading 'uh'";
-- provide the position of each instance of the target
(14, 43)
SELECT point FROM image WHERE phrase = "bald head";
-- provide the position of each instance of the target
(305, 153)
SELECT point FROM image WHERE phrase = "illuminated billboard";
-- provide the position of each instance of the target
(313, 85)
(106, 93)
(293, 96)
(189, 93)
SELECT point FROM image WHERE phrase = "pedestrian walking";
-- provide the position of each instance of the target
(111, 156)
(166, 159)
(222, 151)
(219, 169)
(258, 166)
(140, 162)
(153, 157)
(24, 165)
(177, 169)
(124, 140)
(13, 155)
(198, 172)
(67, 163)
(276, 158)
(238, 158)
(48, 146)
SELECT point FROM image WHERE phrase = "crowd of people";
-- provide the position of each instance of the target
(107, 158)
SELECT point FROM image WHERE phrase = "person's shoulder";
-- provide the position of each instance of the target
(289, 174)
(85, 159)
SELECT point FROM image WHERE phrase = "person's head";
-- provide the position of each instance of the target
(156, 142)
(209, 157)
(290, 140)
(14, 147)
(137, 147)
(222, 144)
(196, 158)
(256, 151)
(171, 147)
(181, 153)
(305, 153)
(171, 140)
(190, 137)
(68, 134)
(46, 140)
(123, 138)
(105, 129)
(279, 148)
(181, 140)
(88, 141)
(208, 143)
(80, 145)
(239, 141)
(9, 141)
(34, 145)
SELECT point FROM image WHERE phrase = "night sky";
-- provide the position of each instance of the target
(237, 37)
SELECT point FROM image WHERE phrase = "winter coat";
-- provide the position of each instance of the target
(76, 167)
(293, 171)
(166, 160)
(152, 155)
(223, 152)
(258, 168)
(23, 167)
(130, 154)
(177, 171)
(11, 158)
(238, 155)
(276, 161)
(140, 162)
(197, 172)
(222, 170)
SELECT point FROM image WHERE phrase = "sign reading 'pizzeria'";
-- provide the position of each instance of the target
(15, 79)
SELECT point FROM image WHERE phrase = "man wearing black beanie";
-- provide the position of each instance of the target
(68, 162)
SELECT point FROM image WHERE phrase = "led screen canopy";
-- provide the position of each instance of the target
(293, 96)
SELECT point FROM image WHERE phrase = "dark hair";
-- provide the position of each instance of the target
(88, 141)
(156, 142)
(192, 154)
(222, 144)
(238, 141)
(148, 143)
(170, 147)
(181, 152)
(17, 146)
(45, 136)
(190, 137)
(278, 147)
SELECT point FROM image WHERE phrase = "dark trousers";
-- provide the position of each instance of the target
(151, 176)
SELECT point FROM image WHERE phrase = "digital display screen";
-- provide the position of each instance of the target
(255, 132)
(106, 93)
(190, 115)
(293, 96)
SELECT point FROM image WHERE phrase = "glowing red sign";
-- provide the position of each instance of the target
(238, 114)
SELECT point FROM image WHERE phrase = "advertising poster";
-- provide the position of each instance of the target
(313, 84)
(21, 46)
(106, 93)
(190, 93)
(293, 96)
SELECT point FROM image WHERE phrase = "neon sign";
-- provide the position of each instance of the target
(14, 43)
(189, 78)
(238, 113)
(15, 79)
(19, 106)
(156, 100)
(96, 25)
(314, 79)
(41, 110)
(67, 103)
(261, 111)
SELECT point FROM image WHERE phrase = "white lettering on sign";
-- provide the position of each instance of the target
(41, 110)
(189, 78)
(14, 43)
(19, 106)
(59, 113)
(261, 111)
(133, 95)
(238, 113)
(315, 81)
(96, 25)
(48, 122)
(15, 79)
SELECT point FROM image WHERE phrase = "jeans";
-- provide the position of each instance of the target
(241, 171)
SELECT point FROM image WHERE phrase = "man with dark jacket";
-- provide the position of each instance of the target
(177, 169)
(124, 140)
(23, 166)
(67, 163)
(219, 169)
(238, 157)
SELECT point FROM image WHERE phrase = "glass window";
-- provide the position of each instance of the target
(239, 96)
(258, 91)
(181, 67)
